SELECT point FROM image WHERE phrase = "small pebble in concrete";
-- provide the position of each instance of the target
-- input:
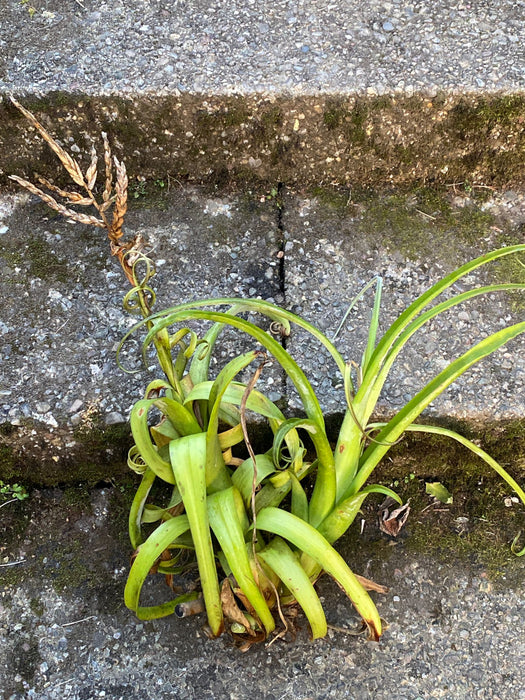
(114, 418)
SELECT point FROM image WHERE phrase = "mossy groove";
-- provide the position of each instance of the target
(301, 140)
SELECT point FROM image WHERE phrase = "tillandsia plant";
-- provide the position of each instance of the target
(259, 537)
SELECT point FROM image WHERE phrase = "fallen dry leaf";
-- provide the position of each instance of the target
(391, 522)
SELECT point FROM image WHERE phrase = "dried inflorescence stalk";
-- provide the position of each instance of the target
(113, 196)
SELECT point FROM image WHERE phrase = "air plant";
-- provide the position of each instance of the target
(257, 536)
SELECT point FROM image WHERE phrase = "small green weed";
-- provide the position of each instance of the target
(12, 491)
(30, 8)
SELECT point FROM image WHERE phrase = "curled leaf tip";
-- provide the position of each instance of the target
(374, 630)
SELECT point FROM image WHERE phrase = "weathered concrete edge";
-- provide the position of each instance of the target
(35, 456)
(244, 140)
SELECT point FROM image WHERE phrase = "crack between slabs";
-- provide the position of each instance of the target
(281, 241)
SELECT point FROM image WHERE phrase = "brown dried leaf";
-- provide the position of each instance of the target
(231, 610)
(67, 161)
(244, 600)
(104, 207)
(121, 201)
(369, 585)
(244, 642)
(91, 172)
(109, 168)
(392, 522)
(83, 201)
(190, 607)
(73, 197)
(50, 201)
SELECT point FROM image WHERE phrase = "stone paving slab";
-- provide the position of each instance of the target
(62, 318)
(452, 633)
(243, 46)
(305, 92)
(334, 247)
(242, 141)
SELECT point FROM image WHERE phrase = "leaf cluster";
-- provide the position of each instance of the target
(265, 494)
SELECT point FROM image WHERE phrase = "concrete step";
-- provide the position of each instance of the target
(244, 141)
(66, 633)
(245, 92)
(271, 125)
(64, 401)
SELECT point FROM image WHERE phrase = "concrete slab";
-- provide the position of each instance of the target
(243, 92)
(244, 47)
(62, 318)
(338, 241)
(452, 631)
(259, 139)
(64, 402)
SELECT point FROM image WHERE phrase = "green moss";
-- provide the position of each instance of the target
(77, 496)
(104, 450)
(271, 117)
(56, 98)
(480, 117)
(229, 116)
(334, 115)
(37, 254)
(235, 116)
(355, 129)
(98, 436)
(337, 198)
(7, 463)
(37, 607)
(397, 224)
(43, 262)
(72, 571)
(511, 268)
(477, 527)
(12, 257)
(411, 221)
(483, 546)
(471, 223)
(7, 429)
(506, 442)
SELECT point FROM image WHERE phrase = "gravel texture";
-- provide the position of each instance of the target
(332, 252)
(247, 46)
(63, 319)
(452, 633)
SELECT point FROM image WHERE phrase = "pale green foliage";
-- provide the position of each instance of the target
(12, 491)
(271, 536)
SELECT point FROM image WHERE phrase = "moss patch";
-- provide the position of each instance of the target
(72, 569)
(38, 258)
(298, 140)
(481, 522)
(28, 454)
(7, 462)
(512, 269)
(43, 262)
(37, 607)
(411, 220)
